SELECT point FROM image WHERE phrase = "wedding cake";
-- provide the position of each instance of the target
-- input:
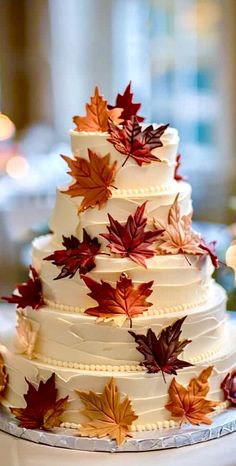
(120, 326)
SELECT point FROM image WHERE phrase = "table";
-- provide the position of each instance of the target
(17, 452)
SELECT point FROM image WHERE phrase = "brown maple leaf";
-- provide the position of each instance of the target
(93, 179)
(125, 102)
(131, 240)
(189, 404)
(228, 385)
(177, 176)
(134, 142)
(3, 376)
(43, 410)
(107, 414)
(161, 353)
(97, 114)
(29, 293)
(77, 255)
(124, 301)
(27, 333)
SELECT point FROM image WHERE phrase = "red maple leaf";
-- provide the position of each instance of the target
(77, 255)
(125, 300)
(29, 293)
(134, 142)
(210, 250)
(131, 240)
(178, 162)
(125, 101)
(43, 410)
(161, 353)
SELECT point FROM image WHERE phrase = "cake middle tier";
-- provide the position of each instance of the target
(78, 340)
(178, 281)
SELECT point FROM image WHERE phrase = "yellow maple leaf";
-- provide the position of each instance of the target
(107, 413)
(26, 332)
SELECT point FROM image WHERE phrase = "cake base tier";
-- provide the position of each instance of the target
(224, 423)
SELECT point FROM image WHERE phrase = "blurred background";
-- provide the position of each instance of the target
(181, 58)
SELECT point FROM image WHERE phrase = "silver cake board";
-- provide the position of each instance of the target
(223, 424)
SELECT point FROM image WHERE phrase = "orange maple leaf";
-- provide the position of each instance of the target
(3, 375)
(93, 179)
(189, 404)
(107, 413)
(97, 115)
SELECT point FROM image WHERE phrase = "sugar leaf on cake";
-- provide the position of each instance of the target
(108, 414)
(97, 114)
(178, 164)
(228, 386)
(76, 255)
(43, 410)
(3, 376)
(189, 404)
(125, 301)
(28, 293)
(161, 352)
(125, 102)
(93, 179)
(26, 333)
(132, 239)
(135, 142)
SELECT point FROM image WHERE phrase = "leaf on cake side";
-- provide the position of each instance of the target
(189, 404)
(228, 386)
(108, 415)
(118, 304)
(178, 164)
(125, 102)
(97, 114)
(77, 255)
(3, 376)
(29, 293)
(132, 141)
(161, 352)
(26, 333)
(94, 179)
(131, 240)
(43, 410)
(177, 237)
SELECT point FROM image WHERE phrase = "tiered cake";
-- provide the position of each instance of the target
(114, 284)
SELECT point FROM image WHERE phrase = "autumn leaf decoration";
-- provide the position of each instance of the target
(94, 179)
(179, 238)
(161, 353)
(108, 414)
(118, 304)
(189, 404)
(97, 114)
(3, 376)
(135, 142)
(29, 293)
(177, 175)
(131, 240)
(125, 102)
(228, 386)
(27, 333)
(43, 410)
(77, 255)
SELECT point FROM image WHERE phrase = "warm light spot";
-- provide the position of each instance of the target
(17, 167)
(7, 128)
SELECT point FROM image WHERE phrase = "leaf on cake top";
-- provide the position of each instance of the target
(26, 333)
(132, 141)
(229, 387)
(108, 415)
(131, 240)
(29, 293)
(43, 410)
(118, 304)
(125, 102)
(161, 353)
(189, 404)
(93, 179)
(97, 114)
(179, 238)
(3, 376)
(178, 163)
(77, 255)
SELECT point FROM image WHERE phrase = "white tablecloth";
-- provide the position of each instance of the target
(17, 452)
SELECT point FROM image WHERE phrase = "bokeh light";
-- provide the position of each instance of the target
(17, 167)
(7, 128)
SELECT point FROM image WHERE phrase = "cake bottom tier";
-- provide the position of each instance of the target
(148, 392)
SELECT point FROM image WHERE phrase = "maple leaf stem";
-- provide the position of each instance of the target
(125, 160)
(114, 187)
(163, 375)
(104, 254)
(188, 261)
(130, 323)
